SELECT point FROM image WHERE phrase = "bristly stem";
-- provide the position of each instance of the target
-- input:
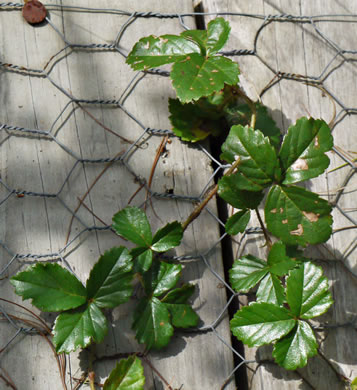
(197, 211)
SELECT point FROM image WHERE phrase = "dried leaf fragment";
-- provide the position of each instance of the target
(312, 217)
(298, 232)
(300, 165)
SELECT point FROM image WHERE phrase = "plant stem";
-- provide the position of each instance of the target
(265, 232)
(197, 211)
(91, 374)
(251, 105)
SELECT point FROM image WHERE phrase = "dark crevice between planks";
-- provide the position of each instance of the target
(241, 378)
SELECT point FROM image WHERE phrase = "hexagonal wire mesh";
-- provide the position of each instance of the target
(66, 203)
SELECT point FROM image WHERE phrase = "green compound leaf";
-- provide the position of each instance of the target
(241, 115)
(198, 76)
(51, 287)
(179, 295)
(237, 222)
(191, 123)
(293, 350)
(161, 278)
(307, 291)
(303, 150)
(168, 237)
(152, 323)
(79, 328)
(212, 40)
(279, 263)
(297, 216)
(127, 375)
(261, 323)
(229, 191)
(132, 224)
(109, 283)
(270, 290)
(142, 259)
(247, 272)
(259, 164)
(182, 316)
(152, 51)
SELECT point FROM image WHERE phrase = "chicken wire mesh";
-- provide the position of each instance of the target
(85, 157)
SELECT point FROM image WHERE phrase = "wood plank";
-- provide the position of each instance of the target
(39, 226)
(303, 49)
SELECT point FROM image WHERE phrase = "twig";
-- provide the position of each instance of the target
(147, 361)
(265, 232)
(197, 211)
(88, 191)
(91, 211)
(104, 127)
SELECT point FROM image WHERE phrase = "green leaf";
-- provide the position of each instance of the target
(142, 259)
(51, 287)
(241, 115)
(258, 165)
(109, 283)
(297, 216)
(279, 263)
(152, 323)
(179, 295)
(198, 36)
(261, 323)
(191, 123)
(307, 291)
(79, 328)
(232, 194)
(354, 384)
(168, 237)
(161, 278)
(238, 222)
(152, 51)
(270, 290)
(198, 76)
(127, 375)
(293, 350)
(303, 150)
(217, 35)
(247, 272)
(182, 316)
(132, 224)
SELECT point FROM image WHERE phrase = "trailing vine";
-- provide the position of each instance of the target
(291, 289)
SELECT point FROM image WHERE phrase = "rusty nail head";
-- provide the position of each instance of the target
(34, 12)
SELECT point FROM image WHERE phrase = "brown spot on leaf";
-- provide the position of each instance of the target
(300, 165)
(182, 72)
(191, 88)
(188, 58)
(298, 232)
(162, 323)
(215, 71)
(316, 142)
(284, 221)
(212, 83)
(273, 211)
(281, 210)
(312, 217)
(199, 75)
(197, 66)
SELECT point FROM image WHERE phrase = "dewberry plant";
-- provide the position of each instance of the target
(291, 289)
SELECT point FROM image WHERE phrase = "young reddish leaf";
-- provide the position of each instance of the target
(238, 222)
(132, 224)
(74, 329)
(152, 323)
(51, 287)
(261, 323)
(307, 291)
(168, 237)
(127, 375)
(293, 350)
(198, 76)
(258, 161)
(303, 150)
(271, 290)
(247, 272)
(152, 51)
(297, 216)
(109, 282)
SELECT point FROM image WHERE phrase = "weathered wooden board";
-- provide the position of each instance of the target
(298, 49)
(43, 164)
